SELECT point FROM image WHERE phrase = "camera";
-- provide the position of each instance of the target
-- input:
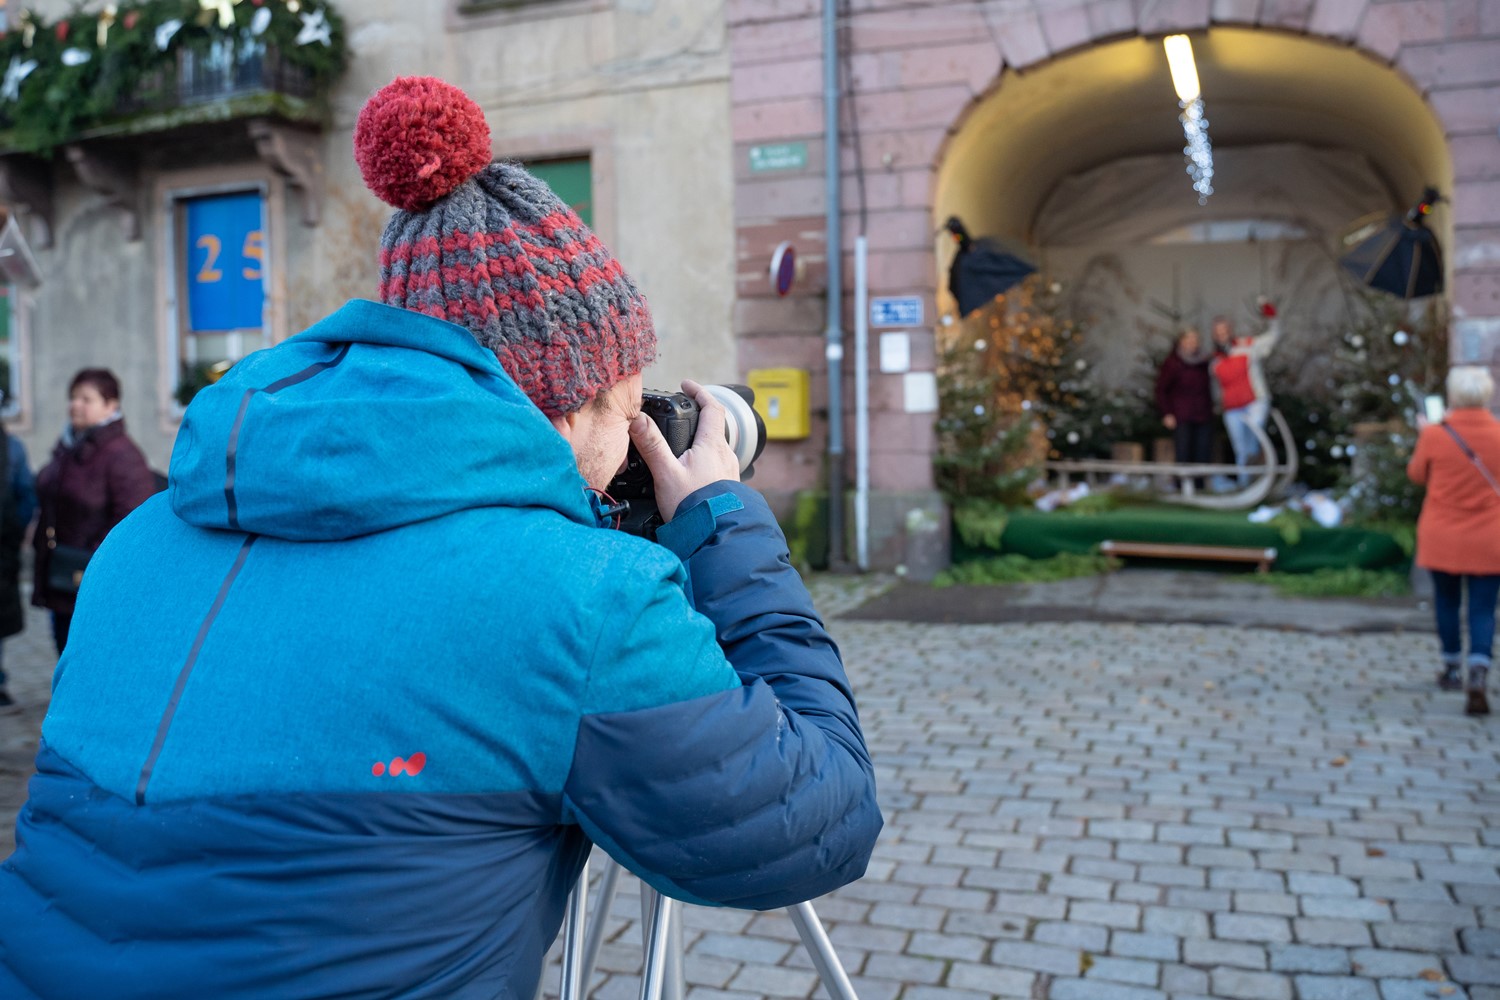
(676, 416)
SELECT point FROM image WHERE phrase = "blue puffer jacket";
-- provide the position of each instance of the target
(342, 710)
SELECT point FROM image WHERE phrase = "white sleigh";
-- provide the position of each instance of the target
(1272, 477)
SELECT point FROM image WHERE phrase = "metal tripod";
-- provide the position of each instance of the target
(662, 977)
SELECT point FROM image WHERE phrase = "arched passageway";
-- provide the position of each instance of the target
(1114, 100)
(1079, 161)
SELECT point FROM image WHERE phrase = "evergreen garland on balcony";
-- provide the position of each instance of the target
(60, 81)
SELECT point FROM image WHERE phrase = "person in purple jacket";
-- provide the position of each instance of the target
(1184, 397)
(97, 476)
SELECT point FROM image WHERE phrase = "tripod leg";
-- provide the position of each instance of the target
(658, 940)
(675, 986)
(609, 882)
(820, 950)
(573, 932)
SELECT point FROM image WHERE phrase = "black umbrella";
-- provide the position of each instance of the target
(1403, 257)
(981, 269)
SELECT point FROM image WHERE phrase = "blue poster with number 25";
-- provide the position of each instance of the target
(225, 254)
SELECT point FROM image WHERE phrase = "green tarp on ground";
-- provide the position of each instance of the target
(1039, 536)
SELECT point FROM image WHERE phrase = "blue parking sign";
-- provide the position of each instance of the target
(896, 310)
(226, 282)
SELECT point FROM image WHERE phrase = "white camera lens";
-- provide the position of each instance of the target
(740, 424)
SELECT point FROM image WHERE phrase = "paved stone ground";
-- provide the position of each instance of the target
(1112, 811)
(1146, 595)
(29, 659)
(1130, 812)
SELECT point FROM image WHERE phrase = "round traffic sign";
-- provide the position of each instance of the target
(783, 267)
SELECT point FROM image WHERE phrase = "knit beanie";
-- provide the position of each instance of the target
(491, 248)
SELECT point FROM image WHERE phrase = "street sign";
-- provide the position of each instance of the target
(783, 267)
(778, 156)
(896, 310)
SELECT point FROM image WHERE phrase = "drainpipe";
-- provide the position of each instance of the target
(861, 403)
(833, 333)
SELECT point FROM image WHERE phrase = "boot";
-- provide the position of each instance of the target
(1477, 703)
(1451, 677)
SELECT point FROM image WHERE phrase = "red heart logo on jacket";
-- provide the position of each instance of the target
(409, 765)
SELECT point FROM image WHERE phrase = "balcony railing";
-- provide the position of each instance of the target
(202, 74)
(221, 73)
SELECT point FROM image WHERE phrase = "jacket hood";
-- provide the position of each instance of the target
(375, 417)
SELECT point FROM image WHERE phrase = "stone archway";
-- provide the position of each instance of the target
(921, 77)
(1079, 160)
(1361, 137)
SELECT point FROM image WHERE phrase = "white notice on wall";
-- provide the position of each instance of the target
(895, 353)
(920, 389)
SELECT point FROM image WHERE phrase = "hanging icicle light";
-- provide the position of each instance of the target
(1198, 150)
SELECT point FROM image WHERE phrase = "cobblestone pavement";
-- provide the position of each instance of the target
(1124, 812)
(29, 658)
(1105, 811)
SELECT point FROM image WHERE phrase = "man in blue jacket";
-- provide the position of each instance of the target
(342, 712)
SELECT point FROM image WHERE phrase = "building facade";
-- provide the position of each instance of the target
(621, 106)
(692, 136)
(1050, 124)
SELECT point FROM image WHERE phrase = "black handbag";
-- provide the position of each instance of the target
(65, 565)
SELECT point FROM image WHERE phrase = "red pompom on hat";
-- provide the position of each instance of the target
(417, 139)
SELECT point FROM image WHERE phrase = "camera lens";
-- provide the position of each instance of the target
(746, 431)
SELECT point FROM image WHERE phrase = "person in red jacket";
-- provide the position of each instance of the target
(1242, 382)
(97, 475)
(1458, 531)
(1184, 397)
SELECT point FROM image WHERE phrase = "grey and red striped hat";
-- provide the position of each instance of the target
(491, 248)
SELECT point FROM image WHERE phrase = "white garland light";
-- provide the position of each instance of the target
(165, 32)
(1199, 151)
(315, 28)
(15, 75)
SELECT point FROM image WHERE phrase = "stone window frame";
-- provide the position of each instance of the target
(595, 143)
(17, 414)
(466, 15)
(173, 187)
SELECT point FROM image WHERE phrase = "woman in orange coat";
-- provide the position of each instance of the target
(1458, 532)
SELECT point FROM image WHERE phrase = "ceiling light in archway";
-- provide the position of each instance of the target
(1184, 69)
(1198, 150)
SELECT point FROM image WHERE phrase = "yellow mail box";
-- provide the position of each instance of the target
(781, 399)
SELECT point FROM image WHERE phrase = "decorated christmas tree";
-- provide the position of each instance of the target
(986, 452)
(1017, 387)
(1396, 353)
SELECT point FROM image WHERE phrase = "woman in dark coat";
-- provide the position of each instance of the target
(97, 475)
(1184, 396)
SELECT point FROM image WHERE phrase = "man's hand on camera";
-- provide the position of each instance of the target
(709, 460)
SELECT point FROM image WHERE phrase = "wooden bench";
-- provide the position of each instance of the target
(1263, 558)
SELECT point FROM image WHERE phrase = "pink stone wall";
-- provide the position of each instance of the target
(916, 69)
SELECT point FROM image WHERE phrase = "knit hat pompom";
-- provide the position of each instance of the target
(417, 139)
